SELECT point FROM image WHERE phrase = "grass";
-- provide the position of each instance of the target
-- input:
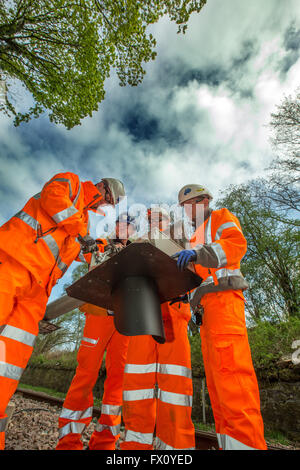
(272, 437)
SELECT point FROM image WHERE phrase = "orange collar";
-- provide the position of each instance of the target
(91, 195)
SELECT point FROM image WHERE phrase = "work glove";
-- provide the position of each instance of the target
(88, 244)
(184, 258)
(182, 298)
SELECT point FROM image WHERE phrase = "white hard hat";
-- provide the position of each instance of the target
(193, 190)
(116, 188)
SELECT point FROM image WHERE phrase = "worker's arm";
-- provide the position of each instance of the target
(229, 245)
(58, 199)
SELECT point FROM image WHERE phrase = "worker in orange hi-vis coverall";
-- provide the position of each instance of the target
(38, 244)
(158, 388)
(99, 335)
(218, 245)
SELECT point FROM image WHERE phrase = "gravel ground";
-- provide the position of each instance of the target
(34, 426)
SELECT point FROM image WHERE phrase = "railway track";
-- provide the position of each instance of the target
(205, 440)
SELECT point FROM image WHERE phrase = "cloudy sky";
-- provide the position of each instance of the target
(200, 116)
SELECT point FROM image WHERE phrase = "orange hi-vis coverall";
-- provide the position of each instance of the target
(99, 335)
(158, 389)
(231, 381)
(37, 245)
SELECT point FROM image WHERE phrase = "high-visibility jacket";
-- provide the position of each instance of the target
(220, 245)
(42, 236)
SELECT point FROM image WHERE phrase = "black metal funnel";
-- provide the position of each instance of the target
(112, 285)
(137, 308)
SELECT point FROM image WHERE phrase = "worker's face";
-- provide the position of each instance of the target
(107, 198)
(197, 208)
(157, 220)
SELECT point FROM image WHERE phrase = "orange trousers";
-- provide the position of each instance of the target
(158, 391)
(22, 306)
(230, 376)
(99, 335)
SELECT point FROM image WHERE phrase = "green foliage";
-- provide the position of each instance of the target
(53, 359)
(62, 51)
(270, 342)
(196, 355)
(271, 264)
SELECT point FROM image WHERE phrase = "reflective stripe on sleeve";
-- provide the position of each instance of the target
(141, 437)
(71, 428)
(3, 423)
(64, 214)
(144, 394)
(114, 430)
(76, 415)
(223, 227)
(18, 334)
(33, 223)
(114, 410)
(175, 398)
(62, 180)
(140, 368)
(10, 371)
(173, 369)
(69, 211)
(160, 445)
(220, 254)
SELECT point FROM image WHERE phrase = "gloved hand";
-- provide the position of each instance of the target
(88, 244)
(184, 258)
(182, 298)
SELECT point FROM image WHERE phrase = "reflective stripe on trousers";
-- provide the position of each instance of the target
(166, 397)
(76, 415)
(140, 437)
(74, 427)
(10, 371)
(229, 443)
(17, 334)
(114, 430)
(71, 428)
(171, 369)
(160, 445)
(110, 410)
